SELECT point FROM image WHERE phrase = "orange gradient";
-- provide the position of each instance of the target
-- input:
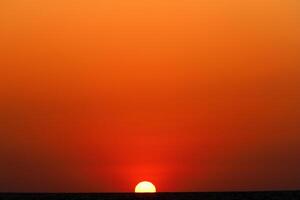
(193, 95)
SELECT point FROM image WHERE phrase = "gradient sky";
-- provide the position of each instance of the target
(193, 95)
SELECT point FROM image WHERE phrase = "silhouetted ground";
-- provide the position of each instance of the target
(289, 195)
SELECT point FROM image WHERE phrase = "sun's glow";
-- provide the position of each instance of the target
(145, 187)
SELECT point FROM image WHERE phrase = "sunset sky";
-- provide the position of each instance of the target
(192, 95)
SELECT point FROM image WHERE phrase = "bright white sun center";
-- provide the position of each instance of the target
(145, 187)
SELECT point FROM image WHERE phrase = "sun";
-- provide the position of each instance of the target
(145, 187)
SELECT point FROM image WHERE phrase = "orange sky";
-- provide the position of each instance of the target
(192, 95)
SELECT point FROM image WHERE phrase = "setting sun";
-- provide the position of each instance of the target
(145, 187)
